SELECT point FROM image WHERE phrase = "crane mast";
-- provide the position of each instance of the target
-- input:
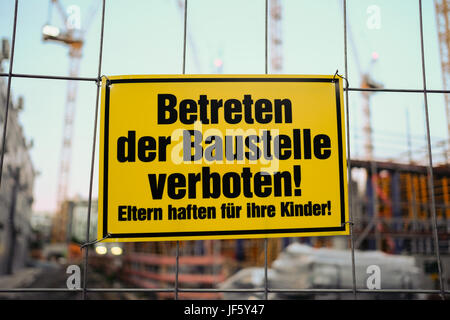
(442, 8)
(69, 35)
(69, 116)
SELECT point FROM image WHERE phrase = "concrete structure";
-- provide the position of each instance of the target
(16, 191)
(79, 221)
(41, 222)
(69, 225)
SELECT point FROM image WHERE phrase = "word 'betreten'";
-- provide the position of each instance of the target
(188, 111)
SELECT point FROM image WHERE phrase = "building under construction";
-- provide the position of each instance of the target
(17, 182)
(391, 212)
(394, 212)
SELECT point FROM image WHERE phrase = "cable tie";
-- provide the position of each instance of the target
(95, 241)
(99, 80)
(347, 222)
(337, 74)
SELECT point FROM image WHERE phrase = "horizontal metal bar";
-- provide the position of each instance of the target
(80, 290)
(48, 77)
(34, 290)
(397, 90)
(230, 290)
(431, 291)
(207, 290)
(131, 290)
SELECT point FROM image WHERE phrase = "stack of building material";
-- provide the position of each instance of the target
(303, 267)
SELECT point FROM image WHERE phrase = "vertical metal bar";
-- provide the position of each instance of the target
(266, 280)
(91, 178)
(266, 71)
(350, 198)
(177, 253)
(430, 159)
(266, 46)
(375, 203)
(177, 266)
(184, 36)
(8, 91)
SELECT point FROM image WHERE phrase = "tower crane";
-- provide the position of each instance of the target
(71, 35)
(276, 43)
(367, 82)
(276, 61)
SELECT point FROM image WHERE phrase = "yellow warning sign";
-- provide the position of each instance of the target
(222, 157)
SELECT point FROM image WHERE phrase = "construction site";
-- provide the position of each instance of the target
(399, 201)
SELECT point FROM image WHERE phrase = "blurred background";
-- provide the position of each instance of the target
(45, 178)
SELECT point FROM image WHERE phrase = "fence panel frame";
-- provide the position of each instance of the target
(265, 290)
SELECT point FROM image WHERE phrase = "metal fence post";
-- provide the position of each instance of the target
(177, 253)
(91, 178)
(8, 90)
(430, 159)
(349, 175)
(266, 71)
